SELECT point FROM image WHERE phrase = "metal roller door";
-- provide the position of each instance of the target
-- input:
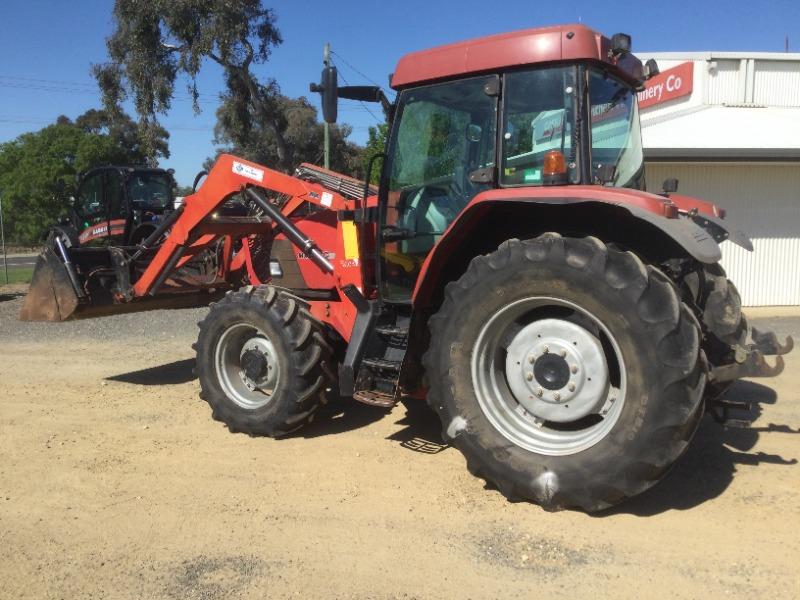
(764, 200)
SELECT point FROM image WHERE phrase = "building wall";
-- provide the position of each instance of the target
(764, 199)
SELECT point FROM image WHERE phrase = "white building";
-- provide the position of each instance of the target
(727, 125)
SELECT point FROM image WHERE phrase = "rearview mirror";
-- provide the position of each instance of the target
(651, 68)
(328, 88)
(330, 91)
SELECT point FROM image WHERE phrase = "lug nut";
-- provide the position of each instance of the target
(532, 359)
(546, 348)
(571, 387)
(529, 376)
(556, 396)
(540, 392)
(574, 369)
(563, 353)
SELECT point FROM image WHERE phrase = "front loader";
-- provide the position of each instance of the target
(569, 328)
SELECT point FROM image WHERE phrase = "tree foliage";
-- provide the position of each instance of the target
(376, 144)
(154, 43)
(124, 132)
(246, 136)
(38, 170)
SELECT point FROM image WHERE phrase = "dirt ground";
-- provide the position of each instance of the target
(116, 483)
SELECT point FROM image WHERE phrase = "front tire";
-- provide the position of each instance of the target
(262, 361)
(509, 344)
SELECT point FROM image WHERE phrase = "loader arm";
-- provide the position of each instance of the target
(197, 227)
(138, 278)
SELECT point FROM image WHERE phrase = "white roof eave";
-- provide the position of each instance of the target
(723, 127)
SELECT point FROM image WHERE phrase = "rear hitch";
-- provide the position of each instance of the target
(750, 361)
(753, 365)
(767, 343)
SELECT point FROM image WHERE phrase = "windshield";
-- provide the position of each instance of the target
(149, 190)
(616, 138)
(539, 116)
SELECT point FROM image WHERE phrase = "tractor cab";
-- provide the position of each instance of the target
(528, 109)
(119, 206)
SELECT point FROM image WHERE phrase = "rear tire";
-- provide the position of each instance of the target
(263, 361)
(628, 306)
(725, 325)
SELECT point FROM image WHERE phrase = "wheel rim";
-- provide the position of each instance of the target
(549, 375)
(247, 366)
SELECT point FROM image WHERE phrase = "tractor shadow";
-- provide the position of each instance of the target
(422, 429)
(709, 465)
(420, 432)
(174, 373)
(339, 415)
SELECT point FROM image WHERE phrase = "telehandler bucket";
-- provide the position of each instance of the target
(52, 295)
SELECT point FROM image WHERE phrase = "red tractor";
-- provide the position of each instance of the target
(569, 328)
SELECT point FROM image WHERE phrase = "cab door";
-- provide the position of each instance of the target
(90, 209)
(442, 153)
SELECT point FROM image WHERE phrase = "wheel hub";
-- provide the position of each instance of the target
(257, 362)
(557, 370)
(551, 371)
(254, 364)
(247, 366)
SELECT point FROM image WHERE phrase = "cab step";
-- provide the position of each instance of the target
(375, 398)
(380, 363)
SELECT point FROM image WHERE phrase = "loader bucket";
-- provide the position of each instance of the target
(51, 296)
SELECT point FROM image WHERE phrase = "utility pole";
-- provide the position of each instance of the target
(326, 58)
(3, 237)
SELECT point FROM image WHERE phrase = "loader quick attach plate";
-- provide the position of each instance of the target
(51, 296)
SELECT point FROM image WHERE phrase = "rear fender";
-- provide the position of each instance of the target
(483, 225)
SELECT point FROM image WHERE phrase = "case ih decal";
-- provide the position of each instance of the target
(100, 230)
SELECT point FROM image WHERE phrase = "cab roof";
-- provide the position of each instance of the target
(506, 50)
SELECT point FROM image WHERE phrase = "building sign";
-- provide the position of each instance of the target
(668, 85)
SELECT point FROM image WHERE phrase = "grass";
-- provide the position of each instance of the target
(16, 275)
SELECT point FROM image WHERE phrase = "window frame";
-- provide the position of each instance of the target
(578, 119)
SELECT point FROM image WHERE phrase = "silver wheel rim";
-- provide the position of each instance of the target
(549, 376)
(247, 366)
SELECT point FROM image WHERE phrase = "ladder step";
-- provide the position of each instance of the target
(392, 331)
(380, 363)
(375, 398)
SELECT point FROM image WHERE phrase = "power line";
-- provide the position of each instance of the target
(34, 121)
(74, 84)
(55, 86)
(360, 73)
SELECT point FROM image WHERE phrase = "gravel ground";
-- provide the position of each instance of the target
(116, 483)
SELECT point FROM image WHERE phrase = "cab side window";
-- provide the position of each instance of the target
(90, 207)
(89, 204)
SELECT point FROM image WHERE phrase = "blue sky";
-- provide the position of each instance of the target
(47, 47)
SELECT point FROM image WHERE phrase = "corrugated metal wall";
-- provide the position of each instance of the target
(751, 81)
(777, 83)
(764, 200)
(723, 83)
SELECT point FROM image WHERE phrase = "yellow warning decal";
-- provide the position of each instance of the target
(350, 237)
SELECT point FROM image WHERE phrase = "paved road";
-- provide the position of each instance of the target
(17, 262)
